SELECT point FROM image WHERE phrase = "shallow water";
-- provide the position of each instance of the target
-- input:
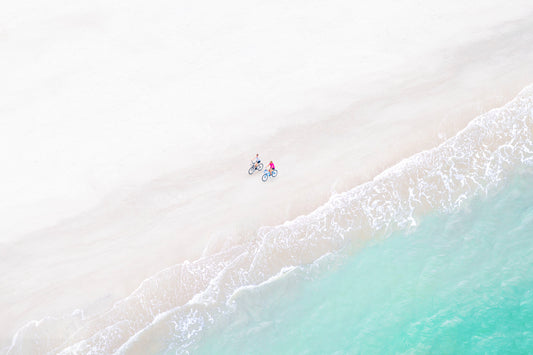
(460, 283)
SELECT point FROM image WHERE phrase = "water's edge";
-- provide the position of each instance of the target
(184, 299)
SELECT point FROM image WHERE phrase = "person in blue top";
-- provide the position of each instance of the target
(257, 160)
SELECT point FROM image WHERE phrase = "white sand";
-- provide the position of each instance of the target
(127, 131)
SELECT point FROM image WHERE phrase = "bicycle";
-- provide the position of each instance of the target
(267, 174)
(253, 167)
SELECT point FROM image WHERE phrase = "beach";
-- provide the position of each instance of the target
(132, 143)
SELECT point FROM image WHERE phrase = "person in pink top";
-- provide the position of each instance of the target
(271, 167)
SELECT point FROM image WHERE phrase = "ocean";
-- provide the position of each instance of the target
(431, 256)
(461, 283)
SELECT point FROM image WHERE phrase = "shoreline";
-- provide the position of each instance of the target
(444, 177)
(97, 289)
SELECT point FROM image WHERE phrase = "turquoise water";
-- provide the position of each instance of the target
(460, 283)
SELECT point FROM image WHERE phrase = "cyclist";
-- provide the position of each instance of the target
(271, 167)
(257, 160)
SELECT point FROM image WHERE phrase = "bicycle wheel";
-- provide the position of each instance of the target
(265, 177)
(260, 166)
(274, 173)
(251, 170)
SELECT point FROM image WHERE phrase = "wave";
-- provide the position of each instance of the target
(180, 303)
